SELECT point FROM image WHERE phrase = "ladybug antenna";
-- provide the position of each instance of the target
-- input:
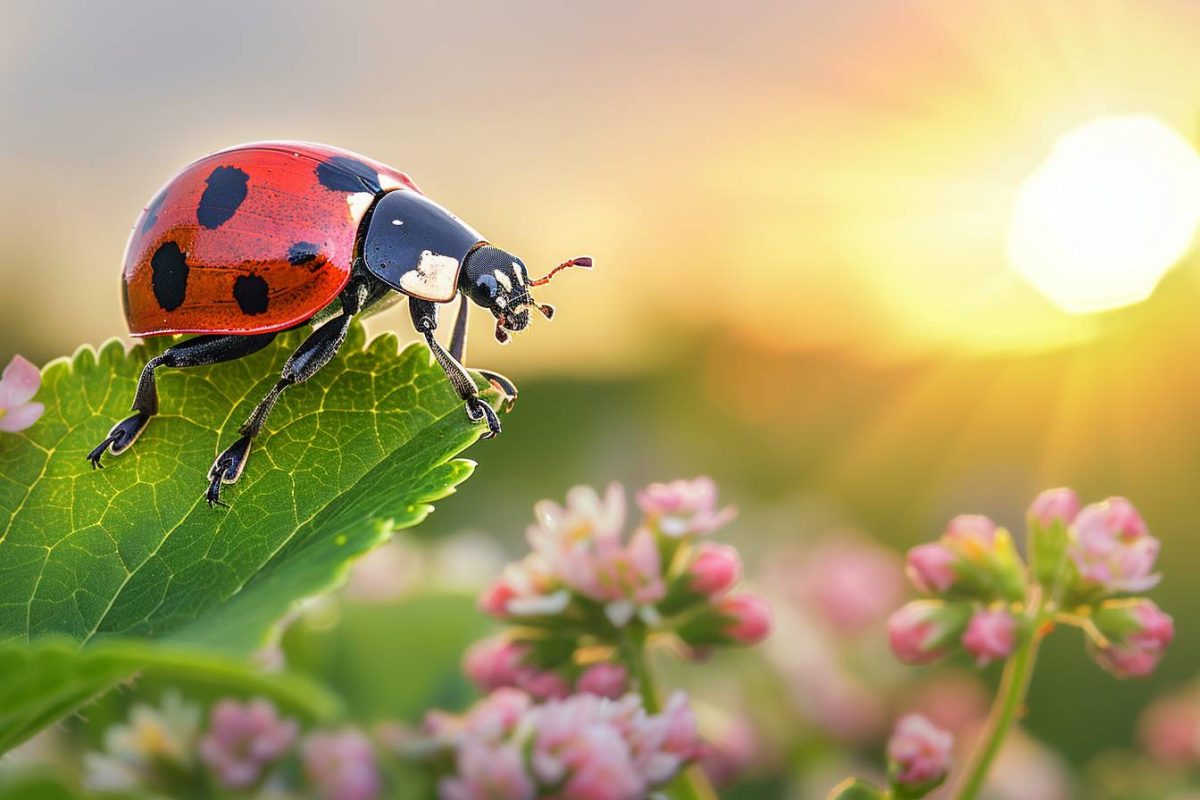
(581, 261)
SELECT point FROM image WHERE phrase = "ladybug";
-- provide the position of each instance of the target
(271, 236)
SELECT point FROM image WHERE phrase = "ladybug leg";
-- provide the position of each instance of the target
(458, 351)
(313, 353)
(199, 351)
(424, 317)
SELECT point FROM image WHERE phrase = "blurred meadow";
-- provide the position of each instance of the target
(802, 218)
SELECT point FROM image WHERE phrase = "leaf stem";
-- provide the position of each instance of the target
(1010, 699)
(691, 783)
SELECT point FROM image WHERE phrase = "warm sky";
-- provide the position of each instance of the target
(817, 174)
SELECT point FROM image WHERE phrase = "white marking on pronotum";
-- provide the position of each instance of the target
(433, 278)
(397, 222)
(387, 183)
(519, 271)
(503, 279)
(359, 202)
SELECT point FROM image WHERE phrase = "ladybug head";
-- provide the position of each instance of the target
(498, 281)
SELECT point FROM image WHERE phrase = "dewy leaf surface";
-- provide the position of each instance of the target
(133, 551)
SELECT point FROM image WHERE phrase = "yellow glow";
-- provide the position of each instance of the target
(1104, 218)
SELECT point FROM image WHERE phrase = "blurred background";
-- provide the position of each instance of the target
(869, 264)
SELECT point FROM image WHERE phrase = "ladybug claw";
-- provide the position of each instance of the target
(119, 439)
(479, 411)
(226, 469)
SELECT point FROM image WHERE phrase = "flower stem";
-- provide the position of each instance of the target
(691, 783)
(1010, 700)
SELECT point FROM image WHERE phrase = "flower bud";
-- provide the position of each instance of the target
(972, 530)
(1112, 549)
(918, 756)
(991, 635)
(986, 565)
(749, 618)
(604, 679)
(1054, 506)
(498, 662)
(494, 599)
(930, 567)
(924, 631)
(1049, 517)
(1133, 637)
(715, 568)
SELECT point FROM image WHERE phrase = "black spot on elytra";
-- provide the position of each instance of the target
(344, 174)
(152, 211)
(226, 191)
(302, 253)
(250, 292)
(169, 276)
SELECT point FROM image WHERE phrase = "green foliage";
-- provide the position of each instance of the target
(366, 654)
(854, 789)
(52, 677)
(133, 554)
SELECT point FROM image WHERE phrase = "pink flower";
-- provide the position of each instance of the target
(972, 529)
(990, 635)
(609, 570)
(243, 739)
(604, 679)
(851, 582)
(586, 517)
(930, 567)
(715, 568)
(18, 385)
(923, 631)
(574, 745)
(919, 752)
(341, 765)
(1112, 548)
(1169, 729)
(749, 617)
(684, 508)
(488, 772)
(491, 719)
(1135, 635)
(725, 757)
(1054, 505)
(583, 747)
(498, 662)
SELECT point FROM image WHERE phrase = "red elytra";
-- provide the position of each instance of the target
(288, 235)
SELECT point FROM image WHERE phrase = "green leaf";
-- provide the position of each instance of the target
(133, 551)
(51, 678)
(855, 789)
(390, 684)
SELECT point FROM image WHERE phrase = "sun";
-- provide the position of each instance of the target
(1107, 214)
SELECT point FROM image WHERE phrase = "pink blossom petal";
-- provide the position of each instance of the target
(19, 383)
(21, 417)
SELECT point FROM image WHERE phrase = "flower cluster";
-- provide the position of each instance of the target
(582, 747)
(983, 599)
(247, 747)
(588, 594)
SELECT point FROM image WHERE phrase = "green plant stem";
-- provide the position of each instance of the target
(1010, 699)
(692, 783)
